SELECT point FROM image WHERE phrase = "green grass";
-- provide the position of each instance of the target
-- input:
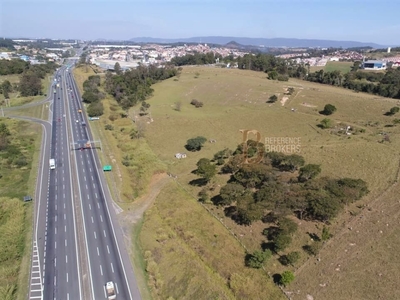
(15, 216)
(342, 66)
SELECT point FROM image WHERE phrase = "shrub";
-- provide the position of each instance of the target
(313, 249)
(286, 278)
(328, 109)
(196, 103)
(108, 127)
(272, 99)
(257, 258)
(195, 144)
(95, 109)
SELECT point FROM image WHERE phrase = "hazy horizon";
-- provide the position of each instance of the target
(351, 20)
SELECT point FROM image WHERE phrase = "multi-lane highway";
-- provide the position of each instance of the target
(61, 276)
(77, 247)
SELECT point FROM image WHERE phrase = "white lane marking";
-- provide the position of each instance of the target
(65, 228)
(90, 207)
(65, 242)
(55, 230)
(66, 259)
(67, 277)
(92, 220)
(98, 205)
(116, 288)
(84, 177)
(95, 194)
(104, 233)
(55, 218)
(92, 178)
(55, 280)
(55, 261)
(101, 270)
(56, 206)
(63, 186)
(94, 186)
(90, 169)
(112, 268)
(98, 252)
(65, 216)
(64, 195)
(55, 245)
(95, 236)
(101, 218)
(86, 186)
(108, 250)
(56, 196)
(64, 205)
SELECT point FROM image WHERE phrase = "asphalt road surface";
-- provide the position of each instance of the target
(107, 256)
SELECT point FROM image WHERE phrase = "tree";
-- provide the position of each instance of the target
(230, 193)
(314, 248)
(257, 258)
(30, 84)
(117, 68)
(292, 162)
(144, 107)
(328, 109)
(286, 278)
(206, 169)
(393, 110)
(290, 258)
(281, 242)
(6, 88)
(272, 75)
(287, 226)
(308, 172)
(323, 207)
(272, 99)
(195, 144)
(325, 123)
(95, 109)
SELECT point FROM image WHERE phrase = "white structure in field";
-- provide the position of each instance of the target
(180, 155)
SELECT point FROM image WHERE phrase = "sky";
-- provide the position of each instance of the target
(345, 20)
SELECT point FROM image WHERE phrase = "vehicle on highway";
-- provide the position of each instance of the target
(111, 295)
(83, 123)
(52, 163)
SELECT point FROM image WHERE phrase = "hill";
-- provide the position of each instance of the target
(265, 42)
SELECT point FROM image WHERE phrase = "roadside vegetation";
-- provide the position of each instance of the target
(18, 141)
(21, 82)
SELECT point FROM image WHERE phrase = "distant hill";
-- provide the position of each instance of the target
(264, 42)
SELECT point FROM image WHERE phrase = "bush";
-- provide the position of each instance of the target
(272, 99)
(108, 127)
(195, 144)
(328, 109)
(95, 109)
(257, 259)
(286, 278)
(283, 78)
(196, 103)
(290, 258)
(325, 124)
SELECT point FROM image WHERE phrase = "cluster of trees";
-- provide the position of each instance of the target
(196, 59)
(385, 84)
(134, 86)
(13, 66)
(30, 83)
(254, 190)
(93, 96)
(7, 43)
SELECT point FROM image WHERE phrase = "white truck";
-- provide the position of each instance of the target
(52, 163)
(111, 295)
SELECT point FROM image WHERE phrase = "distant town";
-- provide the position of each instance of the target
(130, 56)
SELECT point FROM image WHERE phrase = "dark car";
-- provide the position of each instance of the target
(83, 123)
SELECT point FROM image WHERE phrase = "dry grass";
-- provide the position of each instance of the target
(234, 100)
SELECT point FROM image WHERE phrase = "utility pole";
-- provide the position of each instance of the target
(2, 111)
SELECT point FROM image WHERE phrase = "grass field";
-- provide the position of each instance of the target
(342, 66)
(16, 217)
(180, 237)
(234, 100)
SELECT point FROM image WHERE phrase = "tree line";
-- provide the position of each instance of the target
(31, 76)
(134, 86)
(93, 96)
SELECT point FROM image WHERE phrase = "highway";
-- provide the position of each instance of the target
(106, 259)
(61, 276)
